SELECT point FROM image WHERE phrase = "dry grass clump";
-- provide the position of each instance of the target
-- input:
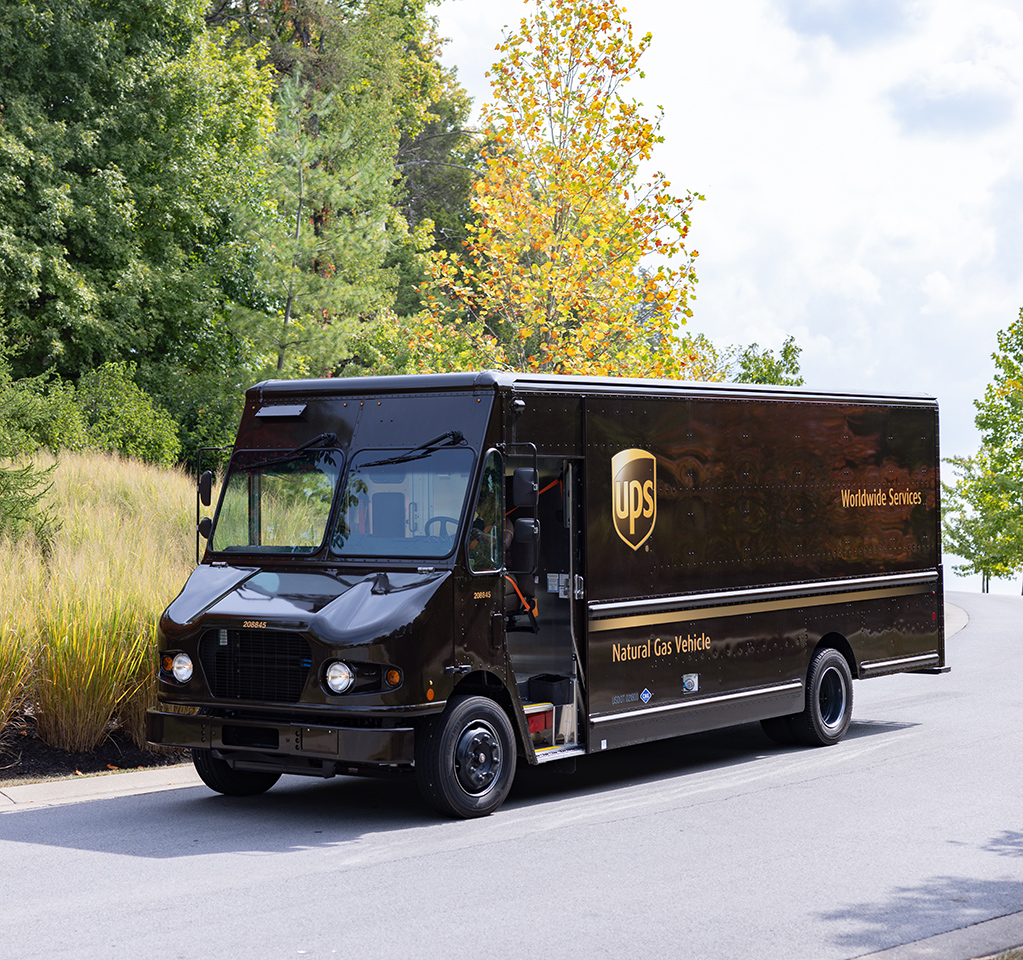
(15, 670)
(85, 612)
(87, 664)
(21, 578)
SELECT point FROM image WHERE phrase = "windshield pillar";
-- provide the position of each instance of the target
(255, 509)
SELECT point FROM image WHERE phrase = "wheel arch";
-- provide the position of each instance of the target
(484, 683)
(835, 641)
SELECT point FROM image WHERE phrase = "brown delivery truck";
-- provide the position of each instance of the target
(454, 574)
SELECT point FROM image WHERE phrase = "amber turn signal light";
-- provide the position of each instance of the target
(393, 677)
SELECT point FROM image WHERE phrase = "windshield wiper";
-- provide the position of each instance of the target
(330, 439)
(417, 453)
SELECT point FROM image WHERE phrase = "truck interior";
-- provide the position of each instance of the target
(543, 610)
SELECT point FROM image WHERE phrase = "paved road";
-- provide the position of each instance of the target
(715, 846)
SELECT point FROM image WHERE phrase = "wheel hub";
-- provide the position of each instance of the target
(832, 697)
(478, 757)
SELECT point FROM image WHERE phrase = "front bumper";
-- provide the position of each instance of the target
(268, 740)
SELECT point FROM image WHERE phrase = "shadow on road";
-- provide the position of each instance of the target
(937, 906)
(299, 813)
(1008, 844)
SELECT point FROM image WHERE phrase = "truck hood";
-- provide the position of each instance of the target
(335, 608)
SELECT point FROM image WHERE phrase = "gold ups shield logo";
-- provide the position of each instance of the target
(634, 492)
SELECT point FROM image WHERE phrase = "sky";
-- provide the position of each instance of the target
(862, 163)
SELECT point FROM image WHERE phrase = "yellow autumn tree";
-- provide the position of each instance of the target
(576, 263)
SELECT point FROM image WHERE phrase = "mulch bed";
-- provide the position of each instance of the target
(25, 758)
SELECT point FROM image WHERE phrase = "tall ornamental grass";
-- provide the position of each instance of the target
(21, 577)
(86, 611)
(15, 670)
(87, 664)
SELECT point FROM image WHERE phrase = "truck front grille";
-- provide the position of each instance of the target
(266, 666)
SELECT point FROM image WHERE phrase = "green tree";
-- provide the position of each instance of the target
(983, 508)
(438, 166)
(328, 245)
(124, 133)
(982, 517)
(24, 416)
(1000, 412)
(753, 365)
(321, 236)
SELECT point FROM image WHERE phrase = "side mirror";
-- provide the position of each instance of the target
(525, 546)
(206, 488)
(525, 485)
(205, 527)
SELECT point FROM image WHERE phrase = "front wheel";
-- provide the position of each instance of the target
(465, 759)
(219, 776)
(825, 719)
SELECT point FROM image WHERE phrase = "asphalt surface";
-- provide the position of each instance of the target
(376, 864)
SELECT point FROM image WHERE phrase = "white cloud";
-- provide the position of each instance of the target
(850, 24)
(939, 292)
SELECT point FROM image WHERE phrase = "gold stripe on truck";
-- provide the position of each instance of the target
(758, 606)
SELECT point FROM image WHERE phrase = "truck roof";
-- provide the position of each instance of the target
(487, 381)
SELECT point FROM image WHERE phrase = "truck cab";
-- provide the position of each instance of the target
(370, 550)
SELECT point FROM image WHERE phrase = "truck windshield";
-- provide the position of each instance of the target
(276, 504)
(400, 505)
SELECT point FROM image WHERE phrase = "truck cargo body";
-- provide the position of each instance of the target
(511, 567)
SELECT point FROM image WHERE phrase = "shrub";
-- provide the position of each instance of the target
(21, 512)
(39, 412)
(32, 414)
(123, 418)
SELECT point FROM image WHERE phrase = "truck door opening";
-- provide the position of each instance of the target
(543, 616)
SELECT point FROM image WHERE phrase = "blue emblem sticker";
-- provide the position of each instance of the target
(645, 695)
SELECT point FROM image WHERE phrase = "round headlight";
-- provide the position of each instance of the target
(339, 676)
(181, 667)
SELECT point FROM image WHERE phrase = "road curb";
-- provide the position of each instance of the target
(54, 793)
(981, 940)
(955, 619)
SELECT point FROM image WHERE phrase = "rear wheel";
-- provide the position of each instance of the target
(465, 759)
(217, 775)
(829, 697)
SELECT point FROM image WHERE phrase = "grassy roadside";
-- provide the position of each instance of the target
(78, 617)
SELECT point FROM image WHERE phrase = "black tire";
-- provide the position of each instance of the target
(779, 729)
(217, 775)
(829, 700)
(465, 759)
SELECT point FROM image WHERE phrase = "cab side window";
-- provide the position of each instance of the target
(486, 534)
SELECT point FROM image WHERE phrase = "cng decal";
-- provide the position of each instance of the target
(634, 495)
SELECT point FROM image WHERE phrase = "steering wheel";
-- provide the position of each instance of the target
(439, 520)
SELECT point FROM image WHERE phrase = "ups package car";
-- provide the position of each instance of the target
(454, 574)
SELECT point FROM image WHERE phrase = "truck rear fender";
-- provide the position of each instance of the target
(837, 642)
